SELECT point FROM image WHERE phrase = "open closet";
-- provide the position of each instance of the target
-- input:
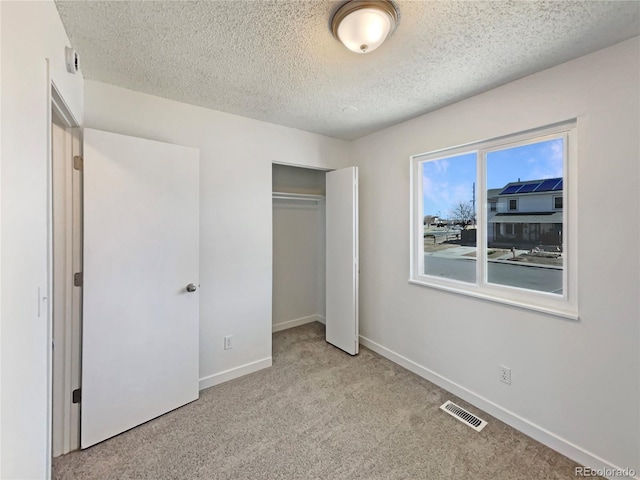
(298, 246)
(315, 251)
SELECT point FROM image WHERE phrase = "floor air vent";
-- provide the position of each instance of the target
(465, 417)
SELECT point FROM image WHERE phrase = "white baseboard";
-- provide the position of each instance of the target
(297, 322)
(542, 435)
(218, 378)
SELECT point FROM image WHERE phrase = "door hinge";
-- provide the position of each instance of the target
(78, 162)
(78, 279)
(76, 396)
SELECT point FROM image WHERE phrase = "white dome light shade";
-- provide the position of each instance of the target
(363, 26)
(364, 30)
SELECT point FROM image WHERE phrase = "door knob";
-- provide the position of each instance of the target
(191, 288)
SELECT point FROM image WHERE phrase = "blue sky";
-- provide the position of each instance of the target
(449, 181)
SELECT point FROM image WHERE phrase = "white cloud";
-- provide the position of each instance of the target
(441, 166)
(548, 162)
(437, 192)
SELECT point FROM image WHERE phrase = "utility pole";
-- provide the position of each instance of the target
(473, 201)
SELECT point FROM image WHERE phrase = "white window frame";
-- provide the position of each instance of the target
(565, 305)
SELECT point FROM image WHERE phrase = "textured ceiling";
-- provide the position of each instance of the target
(277, 60)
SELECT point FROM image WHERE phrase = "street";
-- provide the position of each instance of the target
(515, 275)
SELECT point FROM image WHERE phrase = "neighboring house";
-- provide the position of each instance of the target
(526, 213)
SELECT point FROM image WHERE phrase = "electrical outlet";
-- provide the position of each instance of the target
(505, 374)
(227, 342)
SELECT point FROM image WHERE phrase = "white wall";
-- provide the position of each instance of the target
(31, 33)
(297, 258)
(236, 155)
(575, 383)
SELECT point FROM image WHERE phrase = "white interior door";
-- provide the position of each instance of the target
(342, 259)
(140, 324)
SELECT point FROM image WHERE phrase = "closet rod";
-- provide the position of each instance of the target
(298, 196)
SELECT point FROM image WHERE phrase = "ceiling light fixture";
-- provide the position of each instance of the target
(362, 26)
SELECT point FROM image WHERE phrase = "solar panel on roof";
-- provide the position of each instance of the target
(548, 185)
(529, 187)
(558, 186)
(511, 189)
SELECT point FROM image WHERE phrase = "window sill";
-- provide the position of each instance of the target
(567, 314)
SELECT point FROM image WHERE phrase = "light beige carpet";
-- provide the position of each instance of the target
(318, 413)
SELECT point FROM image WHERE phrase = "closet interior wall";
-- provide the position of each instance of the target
(298, 246)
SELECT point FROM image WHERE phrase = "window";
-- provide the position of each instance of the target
(459, 212)
(505, 197)
(557, 203)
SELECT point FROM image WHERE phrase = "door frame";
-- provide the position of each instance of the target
(326, 170)
(68, 353)
(320, 202)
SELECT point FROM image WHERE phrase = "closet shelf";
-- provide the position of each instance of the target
(298, 196)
